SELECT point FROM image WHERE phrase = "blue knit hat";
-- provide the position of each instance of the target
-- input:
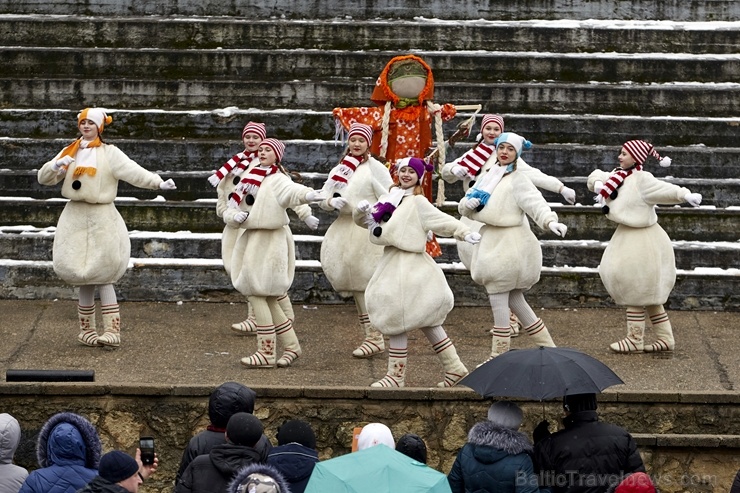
(115, 466)
(516, 140)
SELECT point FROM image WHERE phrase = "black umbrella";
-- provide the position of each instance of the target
(541, 373)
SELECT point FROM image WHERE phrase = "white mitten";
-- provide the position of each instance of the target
(60, 166)
(694, 199)
(312, 222)
(473, 203)
(167, 185)
(430, 235)
(459, 171)
(363, 206)
(558, 228)
(315, 196)
(241, 216)
(569, 195)
(214, 180)
(338, 202)
(473, 238)
(598, 186)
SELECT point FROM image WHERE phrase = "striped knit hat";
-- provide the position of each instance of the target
(515, 140)
(277, 146)
(498, 119)
(255, 128)
(97, 115)
(639, 150)
(364, 131)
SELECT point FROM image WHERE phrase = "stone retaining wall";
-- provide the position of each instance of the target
(704, 457)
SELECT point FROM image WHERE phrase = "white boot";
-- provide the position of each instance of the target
(112, 326)
(454, 368)
(635, 340)
(515, 324)
(248, 326)
(500, 342)
(396, 376)
(265, 355)
(663, 331)
(88, 335)
(539, 334)
(291, 347)
(374, 342)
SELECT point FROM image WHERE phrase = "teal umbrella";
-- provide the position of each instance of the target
(377, 469)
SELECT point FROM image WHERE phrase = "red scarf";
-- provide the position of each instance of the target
(250, 184)
(616, 179)
(476, 158)
(341, 173)
(239, 161)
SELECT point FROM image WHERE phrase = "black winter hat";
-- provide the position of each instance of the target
(227, 399)
(244, 429)
(579, 402)
(296, 431)
(412, 446)
(116, 466)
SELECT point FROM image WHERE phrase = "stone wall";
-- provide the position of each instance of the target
(703, 457)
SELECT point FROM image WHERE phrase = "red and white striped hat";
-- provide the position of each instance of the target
(277, 146)
(498, 119)
(639, 150)
(255, 128)
(364, 131)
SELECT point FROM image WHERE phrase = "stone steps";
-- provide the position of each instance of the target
(676, 10)
(226, 124)
(590, 35)
(685, 99)
(466, 67)
(194, 186)
(585, 223)
(29, 243)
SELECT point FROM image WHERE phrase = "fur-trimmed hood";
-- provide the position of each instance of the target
(265, 469)
(493, 441)
(68, 437)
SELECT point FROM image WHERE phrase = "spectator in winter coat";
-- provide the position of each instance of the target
(11, 476)
(226, 400)
(259, 478)
(212, 473)
(120, 473)
(373, 434)
(296, 455)
(68, 453)
(412, 446)
(497, 457)
(587, 456)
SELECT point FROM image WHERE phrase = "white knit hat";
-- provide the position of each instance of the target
(515, 140)
(96, 115)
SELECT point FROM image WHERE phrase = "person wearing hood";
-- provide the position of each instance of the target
(226, 400)
(497, 457)
(120, 473)
(68, 452)
(11, 476)
(412, 446)
(296, 455)
(212, 473)
(373, 434)
(259, 478)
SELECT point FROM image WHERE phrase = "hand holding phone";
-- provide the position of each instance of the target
(146, 445)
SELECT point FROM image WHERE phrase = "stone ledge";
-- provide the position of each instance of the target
(676, 440)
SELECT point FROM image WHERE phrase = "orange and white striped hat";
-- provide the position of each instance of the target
(97, 115)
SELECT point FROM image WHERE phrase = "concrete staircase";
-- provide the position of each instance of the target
(576, 78)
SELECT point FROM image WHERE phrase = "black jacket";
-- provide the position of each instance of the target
(496, 460)
(587, 456)
(100, 485)
(212, 473)
(295, 462)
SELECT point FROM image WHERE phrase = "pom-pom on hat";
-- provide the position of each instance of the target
(498, 119)
(639, 150)
(97, 115)
(506, 415)
(296, 431)
(116, 466)
(255, 128)
(364, 131)
(276, 146)
(519, 142)
(418, 165)
(244, 429)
